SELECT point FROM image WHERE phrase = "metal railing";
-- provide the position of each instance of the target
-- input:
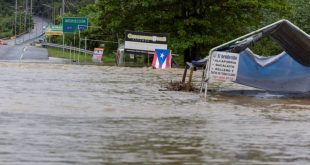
(20, 40)
(67, 47)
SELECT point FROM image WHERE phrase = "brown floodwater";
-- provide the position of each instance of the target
(69, 114)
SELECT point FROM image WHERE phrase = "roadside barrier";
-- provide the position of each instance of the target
(67, 47)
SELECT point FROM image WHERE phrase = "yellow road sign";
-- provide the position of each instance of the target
(53, 33)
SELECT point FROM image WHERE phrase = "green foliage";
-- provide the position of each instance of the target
(193, 25)
(76, 56)
(7, 21)
(266, 47)
(6, 26)
(52, 8)
(301, 15)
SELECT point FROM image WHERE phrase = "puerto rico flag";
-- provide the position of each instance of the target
(162, 59)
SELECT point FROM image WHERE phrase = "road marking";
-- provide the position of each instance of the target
(24, 51)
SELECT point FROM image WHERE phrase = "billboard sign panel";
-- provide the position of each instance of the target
(97, 55)
(144, 42)
(224, 66)
(54, 30)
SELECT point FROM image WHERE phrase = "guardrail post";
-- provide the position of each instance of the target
(85, 49)
(70, 52)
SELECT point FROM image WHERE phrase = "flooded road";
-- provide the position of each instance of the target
(68, 114)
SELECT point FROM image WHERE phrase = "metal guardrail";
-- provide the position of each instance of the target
(67, 47)
(27, 40)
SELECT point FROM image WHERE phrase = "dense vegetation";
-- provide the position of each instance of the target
(5, 8)
(52, 8)
(7, 21)
(6, 18)
(194, 26)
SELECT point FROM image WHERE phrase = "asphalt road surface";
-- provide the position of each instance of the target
(31, 36)
(22, 52)
(20, 49)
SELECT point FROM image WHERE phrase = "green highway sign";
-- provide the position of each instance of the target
(54, 30)
(74, 24)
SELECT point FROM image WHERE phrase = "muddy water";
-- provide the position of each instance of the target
(66, 114)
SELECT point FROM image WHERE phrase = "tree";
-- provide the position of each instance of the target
(194, 26)
(301, 15)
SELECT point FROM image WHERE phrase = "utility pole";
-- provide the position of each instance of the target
(54, 13)
(20, 30)
(31, 16)
(25, 22)
(31, 7)
(63, 35)
(26, 13)
(63, 7)
(30, 22)
(15, 20)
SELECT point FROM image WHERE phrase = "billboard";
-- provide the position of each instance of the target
(224, 66)
(144, 42)
(54, 30)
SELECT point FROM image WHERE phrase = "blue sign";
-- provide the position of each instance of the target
(82, 27)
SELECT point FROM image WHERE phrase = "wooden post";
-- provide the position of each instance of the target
(148, 59)
(190, 75)
(184, 74)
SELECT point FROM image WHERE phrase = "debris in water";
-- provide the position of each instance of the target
(179, 86)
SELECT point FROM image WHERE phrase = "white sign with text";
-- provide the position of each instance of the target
(224, 66)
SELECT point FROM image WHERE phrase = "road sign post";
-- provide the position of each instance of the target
(85, 49)
(79, 44)
(74, 24)
(63, 44)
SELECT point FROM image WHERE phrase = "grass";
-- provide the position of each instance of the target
(81, 57)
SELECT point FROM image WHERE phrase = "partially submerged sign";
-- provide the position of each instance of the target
(74, 24)
(144, 43)
(224, 66)
(97, 55)
(287, 72)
